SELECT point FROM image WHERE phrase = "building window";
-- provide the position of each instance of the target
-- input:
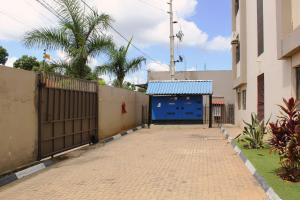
(239, 100)
(217, 111)
(261, 97)
(244, 96)
(237, 6)
(237, 52)
(260, 27)
(298, 82)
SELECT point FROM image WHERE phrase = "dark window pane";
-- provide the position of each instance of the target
(238, 53)
(244, 100)
(298, 82)
(237, 6)
(261, 97)
(260, 27)
(239, 100)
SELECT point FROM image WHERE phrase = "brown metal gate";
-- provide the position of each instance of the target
(68, 114)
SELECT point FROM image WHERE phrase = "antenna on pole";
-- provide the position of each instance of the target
(172, 59)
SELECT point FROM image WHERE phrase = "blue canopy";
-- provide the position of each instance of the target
(180, 87)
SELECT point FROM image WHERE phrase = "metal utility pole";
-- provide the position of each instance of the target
(172, 59)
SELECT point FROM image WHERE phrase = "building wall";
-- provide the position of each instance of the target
(295, 13)
(111, 118)
(239, 29)
(296, 60)
(222, 81)
(288, 29)
(18, 118)
(279, 73)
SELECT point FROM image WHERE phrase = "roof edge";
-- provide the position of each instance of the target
(176, 81)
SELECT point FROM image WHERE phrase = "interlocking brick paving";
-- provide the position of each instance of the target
(161, 163)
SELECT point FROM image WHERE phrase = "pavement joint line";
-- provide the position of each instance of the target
(9, 178)
(271, 194)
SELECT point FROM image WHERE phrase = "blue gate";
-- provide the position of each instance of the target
(181, 108)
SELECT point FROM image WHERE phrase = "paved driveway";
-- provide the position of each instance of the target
(165, 162)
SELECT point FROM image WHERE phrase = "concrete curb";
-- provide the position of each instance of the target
(118, 136)
(9, 178)
(268, 190)
(25, 172)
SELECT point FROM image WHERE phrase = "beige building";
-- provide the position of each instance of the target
(266, 55)
(222, 81)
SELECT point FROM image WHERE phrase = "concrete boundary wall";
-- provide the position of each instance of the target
(19, 116)
(111, 118)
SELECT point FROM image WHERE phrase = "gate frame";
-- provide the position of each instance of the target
(40, 86)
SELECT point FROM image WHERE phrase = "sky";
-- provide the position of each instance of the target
(206, 25)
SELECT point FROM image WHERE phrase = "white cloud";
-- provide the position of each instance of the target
(144, 20)
(149, 24)
(192, 69)
(137, 78)
(157, 66)
(62, 55)
(19, 17)
(219, 43)
(159, 34)
(93, 63)
(10, 61)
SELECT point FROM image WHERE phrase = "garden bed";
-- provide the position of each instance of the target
(266, 165)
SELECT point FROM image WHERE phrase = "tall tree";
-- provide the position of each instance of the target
(27, 63)
(3, 55)
(118, 64)
(79, 34)
(46, 68)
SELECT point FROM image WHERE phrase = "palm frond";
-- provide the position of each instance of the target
(135, 64)
(99, 44)
(77, 34)
(73, 18)
(61, 64)
(96, 22)
(49, 38)
(127, 47)
(105, 69)
(70, 10)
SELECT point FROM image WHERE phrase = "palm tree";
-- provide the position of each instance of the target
(79, 34)
(118, 64)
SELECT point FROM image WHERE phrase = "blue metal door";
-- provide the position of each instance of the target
(183, 108)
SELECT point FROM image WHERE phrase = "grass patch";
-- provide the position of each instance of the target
(266, 164)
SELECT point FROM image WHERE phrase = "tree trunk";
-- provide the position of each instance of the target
(79, 68)
(120, 81)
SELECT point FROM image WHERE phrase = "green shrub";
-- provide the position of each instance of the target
(286, 140)
(254, 133)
